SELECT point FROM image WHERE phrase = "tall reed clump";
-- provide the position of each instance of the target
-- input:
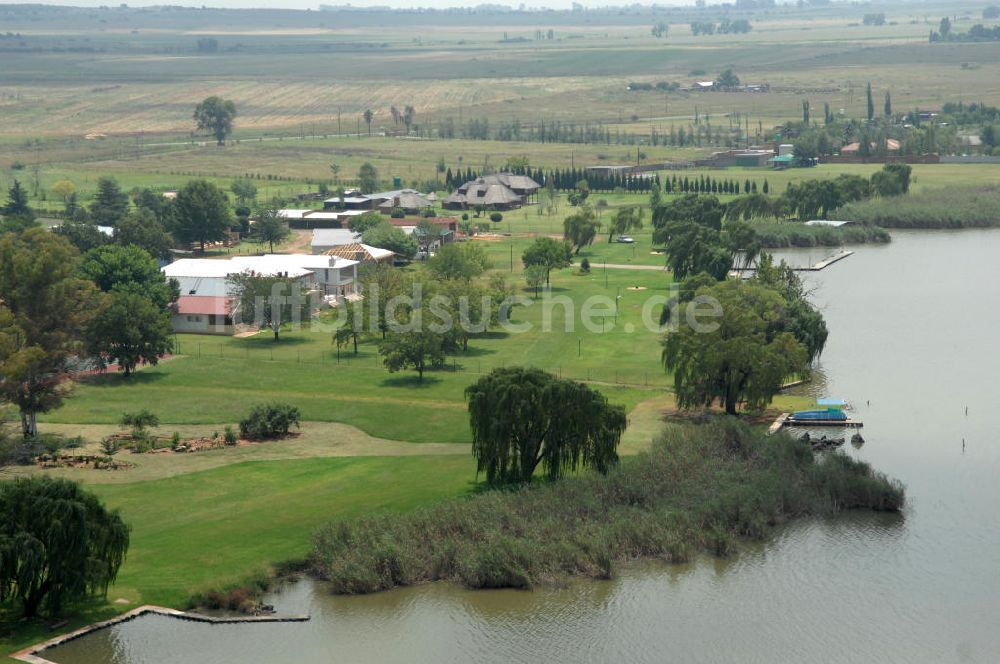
(780, 235)
(954, 207)
(699, 488)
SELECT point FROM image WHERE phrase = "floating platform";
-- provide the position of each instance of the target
(849, 423)
(786, 420)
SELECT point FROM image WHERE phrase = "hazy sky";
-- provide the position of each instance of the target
(314, 4)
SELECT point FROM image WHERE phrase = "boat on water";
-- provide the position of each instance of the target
(823, 415)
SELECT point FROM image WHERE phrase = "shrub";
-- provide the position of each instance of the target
(175, 440)
(397, 213)
(698, 488)
(465, 216)
(268, 421)
(585, 266)
(229, 435)
(139, 421)
(109, 446)
(496, 217)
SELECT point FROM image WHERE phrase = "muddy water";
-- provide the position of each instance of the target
(915, 339)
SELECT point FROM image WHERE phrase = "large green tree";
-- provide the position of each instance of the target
(201, 213)
(548, 253)
(427, 234)
(129, 269)
(270, 228)
(455, 260)
(741, 356)
(580, 228)
(44, 309)
(387, 236)
(367, 178)
(82, 235)
(525, 417)
(215, 115)
(144, 230)
(626, 219)
(17, 202)
(58, 543)
(110, 204)
(417, 349)
(690, 230)
(268, 301)
(130, 329)
(132, 325)
(892, 180)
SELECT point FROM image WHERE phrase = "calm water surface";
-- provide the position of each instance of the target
(915, 329)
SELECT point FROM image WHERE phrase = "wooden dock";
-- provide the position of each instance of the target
(849, 424)
(825, 263)
(786, 420)
(33, 654)
(822, 265)
(778, 423)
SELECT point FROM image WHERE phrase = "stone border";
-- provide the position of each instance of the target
(31, 654)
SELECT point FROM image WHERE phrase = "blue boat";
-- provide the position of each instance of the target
(826, 415)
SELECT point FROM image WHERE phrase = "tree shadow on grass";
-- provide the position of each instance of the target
(118, 379)
(411, 381)
(266, 340)
(472, 351)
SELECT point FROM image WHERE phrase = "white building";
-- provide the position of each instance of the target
(324, 239)
(206, 304)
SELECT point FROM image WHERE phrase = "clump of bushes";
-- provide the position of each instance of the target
(699, 488)
(780, 235)
(952, 207)
(242, 598)
(269, 421)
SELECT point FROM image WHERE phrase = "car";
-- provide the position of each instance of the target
(626, 239)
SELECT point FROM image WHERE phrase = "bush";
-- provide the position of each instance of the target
(698, 488)
(109, 446)
(496, 217)
(175, 440)
(585, 266)
(139, 421)
(465, 216)
(269, 421)
(397, 213)
(229, 435)
(780, 235)
(955, 207)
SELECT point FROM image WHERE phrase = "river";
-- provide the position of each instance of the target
(915, 340)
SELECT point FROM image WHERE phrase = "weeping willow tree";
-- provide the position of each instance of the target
(58, 543)
(743, 355)
(523, 417)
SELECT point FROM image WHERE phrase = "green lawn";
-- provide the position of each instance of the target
(216, 378)
(205, 530)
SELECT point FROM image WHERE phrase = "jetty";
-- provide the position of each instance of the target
(825, 263)
(788, 420)
(33, 654)
(816, 267)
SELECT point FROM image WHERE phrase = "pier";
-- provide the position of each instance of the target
(816, 267)
(33, 654)
(788, 420)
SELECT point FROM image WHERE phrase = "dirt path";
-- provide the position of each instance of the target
(316, 439)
